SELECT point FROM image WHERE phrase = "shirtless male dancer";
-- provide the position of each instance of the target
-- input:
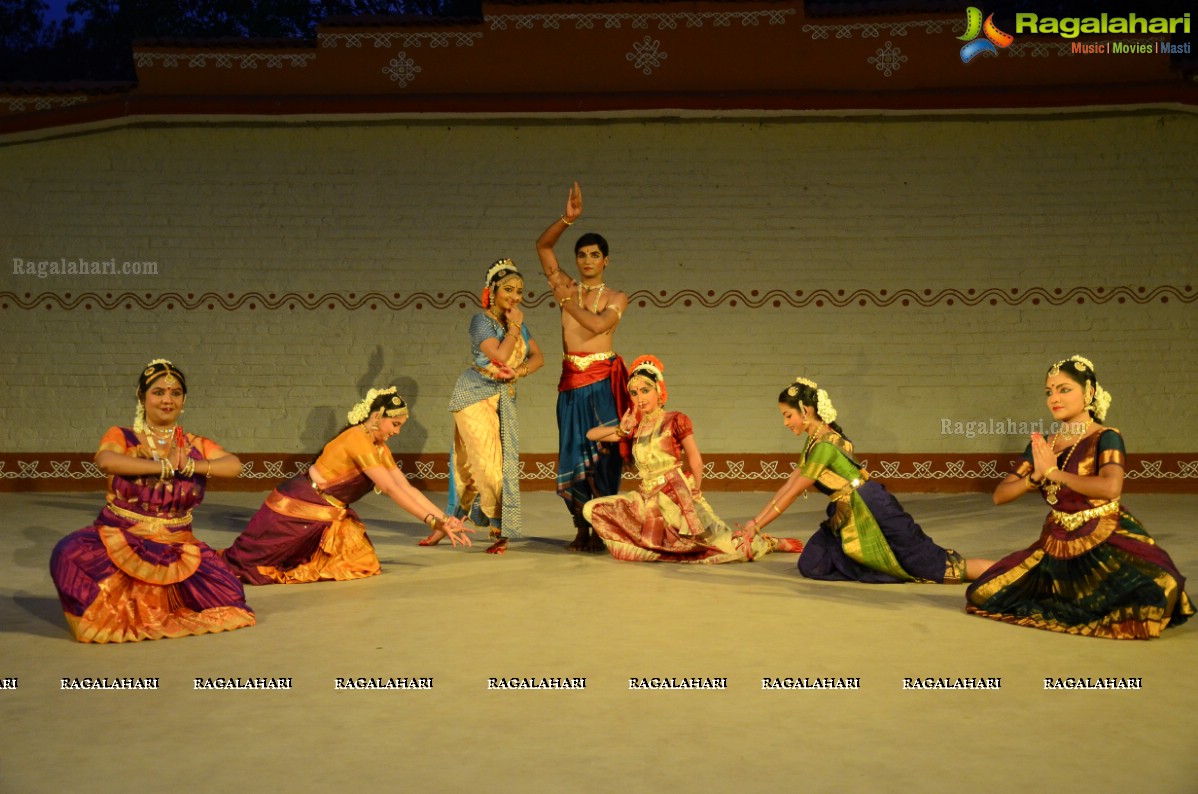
(591, 391)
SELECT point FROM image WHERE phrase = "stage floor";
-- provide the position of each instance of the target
(463, 617)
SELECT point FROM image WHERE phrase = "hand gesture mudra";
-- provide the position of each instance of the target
(573, 204)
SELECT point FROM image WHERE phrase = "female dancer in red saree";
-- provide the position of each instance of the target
(306, 530)
(1095, 570)
(666, 519)
(138, 573)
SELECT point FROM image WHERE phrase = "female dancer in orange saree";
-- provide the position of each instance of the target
(1095, 570)
(138, 573)
(307, 531)
(666, 519)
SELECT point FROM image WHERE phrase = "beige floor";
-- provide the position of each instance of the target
(461, 617)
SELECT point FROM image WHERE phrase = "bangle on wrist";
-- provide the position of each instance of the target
(566, 300)
(774, 504)
(1050, 471)
(568, 223)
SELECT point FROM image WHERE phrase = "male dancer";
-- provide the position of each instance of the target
(593, 387)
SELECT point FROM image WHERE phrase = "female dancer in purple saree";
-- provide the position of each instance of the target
(1094, 570)
(138, 573)
(306, 531)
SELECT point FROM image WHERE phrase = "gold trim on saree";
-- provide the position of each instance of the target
(297, 508)
(157, 530)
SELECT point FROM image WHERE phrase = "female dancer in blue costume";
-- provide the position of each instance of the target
(485, 462)
(1095, 570)
(867, 536)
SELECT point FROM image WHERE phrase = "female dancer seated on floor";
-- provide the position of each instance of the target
(666, 519)
(306, 531)
(138, 573)
(484, 467)
(1095, 570)
(867, 536)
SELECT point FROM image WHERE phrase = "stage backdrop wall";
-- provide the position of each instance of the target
(926, 271)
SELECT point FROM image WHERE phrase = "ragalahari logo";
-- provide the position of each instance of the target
(974, 26)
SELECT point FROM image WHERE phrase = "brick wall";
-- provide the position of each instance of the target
(974, 223)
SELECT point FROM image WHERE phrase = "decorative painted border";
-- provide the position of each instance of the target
(873, 30)
(21, 104)
(414, 39)
(753, 299)
(906, 472)
(665, 20)
(932, 27)
(222, 60)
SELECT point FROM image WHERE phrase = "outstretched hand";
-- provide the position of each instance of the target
(457, 531)
(743, 537)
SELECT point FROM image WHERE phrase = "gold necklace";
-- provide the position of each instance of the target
(650, 419)
(585, 288)
(811, 439)
(1052, 487)
(160, 436)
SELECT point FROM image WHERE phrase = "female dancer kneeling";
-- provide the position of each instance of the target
(1095, 570)
(867, 536)
(306, 531)
(666, 519)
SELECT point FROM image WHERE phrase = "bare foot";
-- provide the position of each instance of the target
(580, 542)
(595, 543)
(433, 539)
(498, 547)
(792, 545)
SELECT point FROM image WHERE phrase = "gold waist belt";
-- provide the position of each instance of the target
(657, 479)
(582, 362)
(1072, 521)
(851, 486)
(150, 520)
(334, 501)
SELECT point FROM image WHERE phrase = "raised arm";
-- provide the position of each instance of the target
(550, 237)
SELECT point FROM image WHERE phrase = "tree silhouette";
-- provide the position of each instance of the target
(95, 41)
